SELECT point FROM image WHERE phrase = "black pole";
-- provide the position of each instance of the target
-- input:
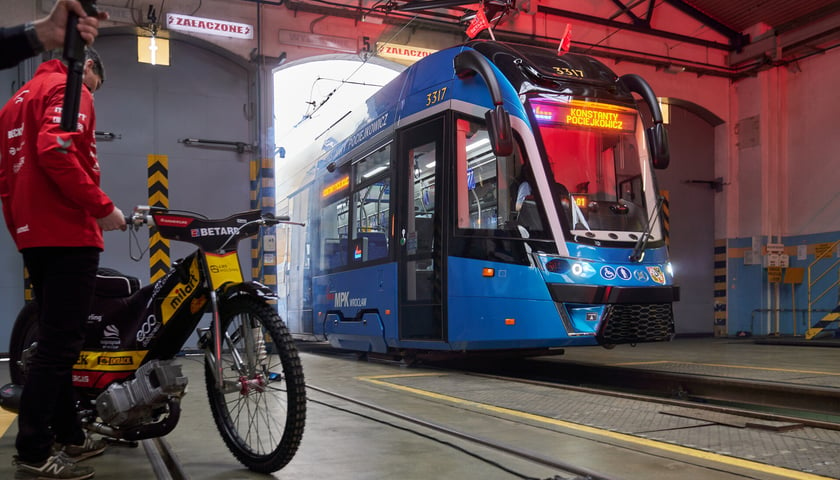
(74, 55)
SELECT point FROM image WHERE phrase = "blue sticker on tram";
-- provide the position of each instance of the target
(641, 276)
(623, 273)
(607, 272)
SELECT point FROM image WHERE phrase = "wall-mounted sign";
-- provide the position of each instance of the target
(208, 26)
(325, 42)
(405, 54)
(153, 50)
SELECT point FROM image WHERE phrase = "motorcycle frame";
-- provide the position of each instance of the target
(227, 281)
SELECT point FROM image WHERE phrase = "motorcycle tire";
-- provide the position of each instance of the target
(261, 411)
(23, 337)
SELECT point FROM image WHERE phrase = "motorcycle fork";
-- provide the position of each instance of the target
(254, 351)
(217, 339)
(254, 354)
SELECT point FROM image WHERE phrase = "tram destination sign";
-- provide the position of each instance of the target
(585, 114)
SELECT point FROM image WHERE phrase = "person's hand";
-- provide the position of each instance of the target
(113, 221)
(50, 29)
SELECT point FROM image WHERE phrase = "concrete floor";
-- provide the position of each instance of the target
(345, 440)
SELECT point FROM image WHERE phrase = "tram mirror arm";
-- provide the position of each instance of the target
(656, 135)
(469, 63)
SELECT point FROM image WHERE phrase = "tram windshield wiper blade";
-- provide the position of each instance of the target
(639, 249)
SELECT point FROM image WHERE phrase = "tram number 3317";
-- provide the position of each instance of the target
(436, 96)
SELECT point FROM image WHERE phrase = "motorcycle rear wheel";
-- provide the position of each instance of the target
(24, 333)
(261, 411)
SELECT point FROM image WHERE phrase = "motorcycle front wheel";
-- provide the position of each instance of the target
(260, 410)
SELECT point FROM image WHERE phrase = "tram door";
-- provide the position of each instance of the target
(418, 232)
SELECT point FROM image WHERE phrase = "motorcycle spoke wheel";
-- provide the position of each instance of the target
(261, 410)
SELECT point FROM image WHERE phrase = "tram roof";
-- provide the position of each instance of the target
(528, 69)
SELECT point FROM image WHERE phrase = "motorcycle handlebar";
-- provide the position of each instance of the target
(142, 216)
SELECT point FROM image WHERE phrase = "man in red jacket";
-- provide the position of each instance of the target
(56, 213)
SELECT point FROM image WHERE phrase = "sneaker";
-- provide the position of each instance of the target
(57, 466)
(90, 448)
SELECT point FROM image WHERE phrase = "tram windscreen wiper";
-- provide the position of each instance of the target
(639, 249)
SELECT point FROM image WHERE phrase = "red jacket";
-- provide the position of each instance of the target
(49, 178)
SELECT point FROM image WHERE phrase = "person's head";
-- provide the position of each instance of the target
(94, 73)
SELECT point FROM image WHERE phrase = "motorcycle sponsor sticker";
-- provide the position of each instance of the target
(607, 272)
(115, 361)
(147, 331)
(172, 221)
(97, 379)
(181, 292)
(656, 275)
(110, 337)
(213, 231)
(623, 273)
(224, 268)
(125, 360)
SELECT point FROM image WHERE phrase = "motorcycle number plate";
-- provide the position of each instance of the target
(224, 268)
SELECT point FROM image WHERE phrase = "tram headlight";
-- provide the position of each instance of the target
(577, 269)
(669, 269)
(582, 269)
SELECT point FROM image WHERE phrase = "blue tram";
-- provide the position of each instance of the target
(493, 196)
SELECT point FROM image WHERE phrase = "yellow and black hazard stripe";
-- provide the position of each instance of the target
(263, 198)
(720, 296)
(158, 185)
(827, 320)
(665, 213)
(28, 293)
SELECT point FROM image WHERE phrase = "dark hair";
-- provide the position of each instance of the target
(98, 68)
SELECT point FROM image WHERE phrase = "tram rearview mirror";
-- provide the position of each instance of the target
(498, 127)
(660, 152)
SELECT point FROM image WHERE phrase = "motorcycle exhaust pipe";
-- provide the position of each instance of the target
(10, 397)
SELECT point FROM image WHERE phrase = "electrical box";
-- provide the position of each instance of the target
(775, 256)
(775, 260)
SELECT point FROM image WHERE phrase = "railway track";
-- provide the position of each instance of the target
(773, 401)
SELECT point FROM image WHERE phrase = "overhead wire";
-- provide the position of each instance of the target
(309, 115)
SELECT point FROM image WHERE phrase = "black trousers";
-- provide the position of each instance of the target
(63, 280)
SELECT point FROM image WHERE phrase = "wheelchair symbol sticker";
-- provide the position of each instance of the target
(607, 272)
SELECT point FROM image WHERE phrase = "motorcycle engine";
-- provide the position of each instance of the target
(135, 402)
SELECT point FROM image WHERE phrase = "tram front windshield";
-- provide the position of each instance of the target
(597, 178)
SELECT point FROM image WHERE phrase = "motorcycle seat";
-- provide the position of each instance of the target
(111, 283)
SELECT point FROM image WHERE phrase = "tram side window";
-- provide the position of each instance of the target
(372, 206)
(335, 202)
(486, 184)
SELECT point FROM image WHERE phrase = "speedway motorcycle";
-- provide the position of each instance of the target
(128, 384)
